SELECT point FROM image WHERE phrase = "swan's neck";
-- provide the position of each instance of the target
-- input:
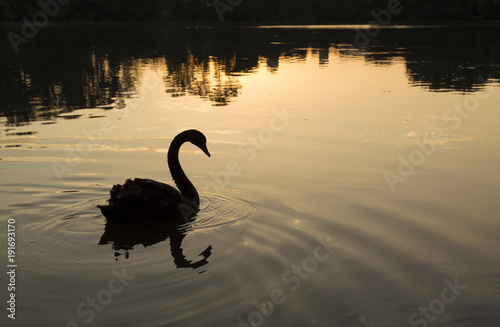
(183, 183)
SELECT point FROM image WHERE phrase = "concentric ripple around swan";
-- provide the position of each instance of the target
(217, 210)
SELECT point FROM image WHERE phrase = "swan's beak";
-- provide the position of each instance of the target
(205, 150)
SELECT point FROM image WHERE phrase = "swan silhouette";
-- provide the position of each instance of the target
(127, 236)
(145, 199)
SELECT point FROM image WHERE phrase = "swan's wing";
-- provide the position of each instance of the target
(159, 194)
(142, 197)
(158, 189)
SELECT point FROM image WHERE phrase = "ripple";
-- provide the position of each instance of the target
(79, 227)
(79, 216)
(215, 211)
(218, 210)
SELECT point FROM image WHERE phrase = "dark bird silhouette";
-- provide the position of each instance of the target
(127, 236)
(146, 200)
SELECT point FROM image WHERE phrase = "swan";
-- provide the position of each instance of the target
(145, 199)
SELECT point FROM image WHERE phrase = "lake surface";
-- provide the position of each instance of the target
(353, 180)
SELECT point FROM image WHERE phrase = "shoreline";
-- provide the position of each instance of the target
(414, 23)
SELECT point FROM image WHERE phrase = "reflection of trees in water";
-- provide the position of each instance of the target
(105, 83)
(52, 81)
(63, 69)
(441, 58)
(454, 61)
(210, 79)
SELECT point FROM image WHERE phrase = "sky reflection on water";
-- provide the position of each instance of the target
(314, 125)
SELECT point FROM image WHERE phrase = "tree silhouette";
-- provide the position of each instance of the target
(250, 10)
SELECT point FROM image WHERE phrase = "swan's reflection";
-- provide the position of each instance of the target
(124, 236)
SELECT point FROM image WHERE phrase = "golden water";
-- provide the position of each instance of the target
(346, 186)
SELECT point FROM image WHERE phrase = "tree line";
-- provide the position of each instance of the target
(246, 10)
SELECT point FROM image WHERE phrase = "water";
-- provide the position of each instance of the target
(347, 186)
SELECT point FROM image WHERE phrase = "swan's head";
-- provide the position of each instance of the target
(198, 139)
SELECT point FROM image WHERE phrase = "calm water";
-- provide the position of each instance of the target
(348, 186)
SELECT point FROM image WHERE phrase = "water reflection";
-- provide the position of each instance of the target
(125, 236)
(207, 79)
(71, 67)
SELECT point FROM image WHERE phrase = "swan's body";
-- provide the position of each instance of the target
(145, 199)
